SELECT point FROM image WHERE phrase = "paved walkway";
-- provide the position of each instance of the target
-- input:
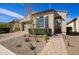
(55, 46)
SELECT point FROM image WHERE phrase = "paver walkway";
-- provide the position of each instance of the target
(55, 46)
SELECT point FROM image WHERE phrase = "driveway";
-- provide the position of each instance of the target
(11, 35)
(8, 36)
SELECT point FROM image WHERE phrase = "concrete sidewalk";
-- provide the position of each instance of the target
(5, 51)
(55, 46)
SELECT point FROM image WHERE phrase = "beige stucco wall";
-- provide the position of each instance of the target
(64, 17)
(51, 19)
(20, 26)
(34, 22)
(51, 22)
(76, 26)
(71, 25)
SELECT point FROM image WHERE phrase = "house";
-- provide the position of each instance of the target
(15, 25)
(47, 19)
(73, 25)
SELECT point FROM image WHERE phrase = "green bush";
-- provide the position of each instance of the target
(5, 27)
(38, 31)
(4, 30)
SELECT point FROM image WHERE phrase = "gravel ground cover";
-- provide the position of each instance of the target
(24, 45)
(72, 45)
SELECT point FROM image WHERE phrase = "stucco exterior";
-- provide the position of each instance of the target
(53, 15)
(74, 24)
(64, 17)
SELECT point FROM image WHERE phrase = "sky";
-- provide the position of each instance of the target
(10, 11)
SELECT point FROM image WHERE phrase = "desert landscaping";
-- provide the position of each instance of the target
(24, 44)
(72, 44)
(34, 31)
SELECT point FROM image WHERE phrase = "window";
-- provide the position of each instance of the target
(42, 22)
(46, 22)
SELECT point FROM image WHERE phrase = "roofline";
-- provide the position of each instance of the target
(72, 20)
(43, 11)
(49, 10)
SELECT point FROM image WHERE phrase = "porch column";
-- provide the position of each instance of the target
(20, 26)
(34, 22)
(51, 22)
(77, 24)
(63, 28)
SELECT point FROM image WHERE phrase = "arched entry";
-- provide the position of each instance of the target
(58, 25)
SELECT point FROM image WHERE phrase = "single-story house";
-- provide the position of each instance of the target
(16, 25)
(47, 19)
(73, 25)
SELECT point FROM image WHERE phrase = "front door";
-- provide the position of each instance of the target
(58, 25)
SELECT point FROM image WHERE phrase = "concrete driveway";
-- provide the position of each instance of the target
(11, 35)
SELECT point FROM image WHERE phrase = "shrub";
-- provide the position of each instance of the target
(5, 27)
(46, 37)
(32, 47)
(4, 30)
(40, 31)
(27, 39)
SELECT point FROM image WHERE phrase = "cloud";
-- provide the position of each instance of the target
(1, 16)
(10, 13)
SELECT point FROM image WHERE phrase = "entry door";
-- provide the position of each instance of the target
(58, 25)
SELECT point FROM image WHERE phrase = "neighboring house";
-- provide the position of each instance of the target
(47, 19)
(73, 25)
(16, 25)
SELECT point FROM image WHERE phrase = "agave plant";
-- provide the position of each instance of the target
(32, 47)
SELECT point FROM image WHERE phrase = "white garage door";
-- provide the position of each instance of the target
(26, 27)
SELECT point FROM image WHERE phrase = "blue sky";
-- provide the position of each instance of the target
(9, 11)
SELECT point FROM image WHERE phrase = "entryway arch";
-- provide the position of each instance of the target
(58, 24)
